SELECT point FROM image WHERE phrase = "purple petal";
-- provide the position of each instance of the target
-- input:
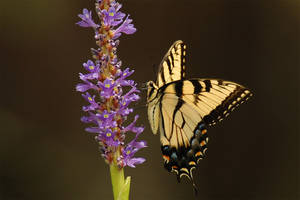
(131, 125)
(93, 130)
(141, 144)
(86, 19)
(90, 76)
(134, 161)
(83, 87)
(137, 130)
(126, 28)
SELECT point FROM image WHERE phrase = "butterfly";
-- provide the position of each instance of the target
(182, 110)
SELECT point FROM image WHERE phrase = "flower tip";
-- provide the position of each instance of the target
(135, 161)
(80, 87)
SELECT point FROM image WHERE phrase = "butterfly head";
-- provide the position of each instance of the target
(151, 91)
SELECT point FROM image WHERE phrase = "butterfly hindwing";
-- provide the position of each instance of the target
(172, 67)
(183, 138)
(186, 109)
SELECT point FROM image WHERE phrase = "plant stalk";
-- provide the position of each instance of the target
(121, 187)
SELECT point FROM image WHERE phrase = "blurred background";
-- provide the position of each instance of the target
(45, 152)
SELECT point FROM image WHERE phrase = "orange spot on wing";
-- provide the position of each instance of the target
(174, 167)
(166, 157)
(199, 153)
(203, 143)
(204, 131)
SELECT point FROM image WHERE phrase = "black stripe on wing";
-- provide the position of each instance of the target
(213, 100)
(216, 99)
(172, 66)
(239, 95)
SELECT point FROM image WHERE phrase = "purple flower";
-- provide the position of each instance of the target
(109, 138)
(112, 17)
(103, 85)
(131, 162)
(126, 28)
(127, 99)
(91, 99)
(86, 19)
(107, 88)
(106, 120)
(124, 74)
(91, 67)
(130, 150)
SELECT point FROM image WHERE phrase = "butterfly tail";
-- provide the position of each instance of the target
(194, 187)
(178, 178)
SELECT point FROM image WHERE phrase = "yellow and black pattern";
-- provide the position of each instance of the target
(183, 160)
(182, 110)
(213, 99)
(172, 67)
(186, 108)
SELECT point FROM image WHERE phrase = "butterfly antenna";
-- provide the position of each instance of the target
(143, 86)
(140, 107)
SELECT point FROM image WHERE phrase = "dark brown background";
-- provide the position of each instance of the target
(44, 151)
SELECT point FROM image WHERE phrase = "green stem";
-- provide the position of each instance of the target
(120, 186)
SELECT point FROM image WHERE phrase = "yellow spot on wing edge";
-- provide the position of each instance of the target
(192, 163)
(184, 170)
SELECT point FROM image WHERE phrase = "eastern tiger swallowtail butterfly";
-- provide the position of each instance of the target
(182, 110)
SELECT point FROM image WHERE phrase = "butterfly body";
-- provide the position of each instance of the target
(182, 110)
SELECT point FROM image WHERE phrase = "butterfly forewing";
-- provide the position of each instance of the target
(172, 67)
(213, 99)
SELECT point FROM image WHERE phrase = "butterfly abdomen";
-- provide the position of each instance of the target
(184, 159)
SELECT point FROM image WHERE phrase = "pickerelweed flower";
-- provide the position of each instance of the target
(103, 87)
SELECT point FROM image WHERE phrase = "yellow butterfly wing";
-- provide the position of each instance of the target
(182, 110)
(172, 66)
(187, 108)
